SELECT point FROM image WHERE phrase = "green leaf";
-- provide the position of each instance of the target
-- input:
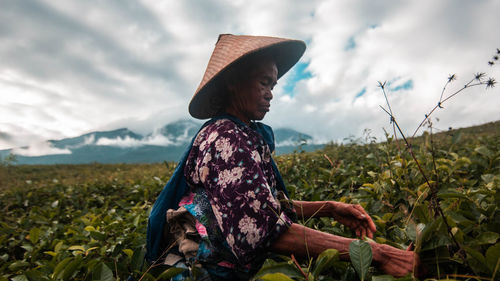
(451, 194)
(51, 253)
(4, 257)
(15, 266)
(89, 228)
(55, 204)
(20, 278)
(60, 267)
(456, 138)
(429, 228)
(27, 247)
(76, 248)
(486, 238)
(102, 273)
(128, 252)
(360, 253)
(325, 260)
(71, 268)
(58, 246)
(34, 235)
(35, 275)
(493, 257)
(475, 254)
(484, 151)
(271, 266)
(383, 278)
(275, 277)
(138, 259)
(98, 235)
(171, 272)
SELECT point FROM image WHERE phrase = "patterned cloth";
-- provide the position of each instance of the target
(233, 196)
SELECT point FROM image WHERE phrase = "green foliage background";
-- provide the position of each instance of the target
(88, 222)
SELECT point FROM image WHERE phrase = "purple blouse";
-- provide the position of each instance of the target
(233, 165)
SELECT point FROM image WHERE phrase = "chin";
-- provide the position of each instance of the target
(260, 117)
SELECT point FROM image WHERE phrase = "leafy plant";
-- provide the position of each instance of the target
(88, 222)
(360, 253)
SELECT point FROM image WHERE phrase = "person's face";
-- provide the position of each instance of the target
(253, 95)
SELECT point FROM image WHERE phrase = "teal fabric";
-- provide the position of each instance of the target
(177, 187)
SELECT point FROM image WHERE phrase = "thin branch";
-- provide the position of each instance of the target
(434, 201)
(441, 101)
(382, 86)
(300, 268)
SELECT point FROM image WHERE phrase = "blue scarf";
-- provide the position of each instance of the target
(177, 187)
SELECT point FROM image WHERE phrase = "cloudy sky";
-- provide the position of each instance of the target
(72, 67)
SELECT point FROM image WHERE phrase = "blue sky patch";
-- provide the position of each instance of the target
(298, 73)
(408, 85)
(351, 44)
(361, 93)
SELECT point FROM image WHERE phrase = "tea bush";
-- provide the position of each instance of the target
(88, 222)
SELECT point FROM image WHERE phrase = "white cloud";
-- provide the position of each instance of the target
(131, 142)
(136, 64)
(39, 149)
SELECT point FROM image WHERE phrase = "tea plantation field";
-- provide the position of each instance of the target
(88, 222)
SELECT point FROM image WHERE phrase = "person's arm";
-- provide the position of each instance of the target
(306, 242)
(350, 215)
(306, 209)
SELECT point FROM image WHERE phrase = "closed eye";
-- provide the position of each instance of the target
(268, 82)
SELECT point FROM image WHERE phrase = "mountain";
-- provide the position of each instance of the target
(90, 138)
(180, 131)
(290, 137)
(167, 143)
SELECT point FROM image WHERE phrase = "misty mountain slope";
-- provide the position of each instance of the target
(167, 143)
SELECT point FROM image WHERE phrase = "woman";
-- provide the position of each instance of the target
(234, 209)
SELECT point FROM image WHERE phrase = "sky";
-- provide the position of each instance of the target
(73, 67)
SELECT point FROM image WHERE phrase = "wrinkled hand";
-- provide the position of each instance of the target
(354, 217)
(397, 262)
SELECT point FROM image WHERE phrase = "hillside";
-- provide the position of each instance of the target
(167, 143)
(73, 220)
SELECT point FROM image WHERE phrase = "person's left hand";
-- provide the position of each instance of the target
(354, 217)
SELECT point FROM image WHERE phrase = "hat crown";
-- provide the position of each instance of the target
(229, 50)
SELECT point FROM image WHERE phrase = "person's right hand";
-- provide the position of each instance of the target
(354, 217)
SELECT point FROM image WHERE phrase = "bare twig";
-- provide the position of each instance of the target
(434, 201)
(479, 77)
(300, 268)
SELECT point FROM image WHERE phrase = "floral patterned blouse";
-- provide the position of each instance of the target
(233, 194)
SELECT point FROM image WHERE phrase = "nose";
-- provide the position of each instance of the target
(268, 95)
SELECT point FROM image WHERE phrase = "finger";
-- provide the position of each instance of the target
(368, 230)
(369, 220)
(362, 211)
(369, 233)
(371, 224)
(357, 211)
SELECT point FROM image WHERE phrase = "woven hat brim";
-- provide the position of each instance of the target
(285, 54)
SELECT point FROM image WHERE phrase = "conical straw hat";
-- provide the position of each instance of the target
(231, 49)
